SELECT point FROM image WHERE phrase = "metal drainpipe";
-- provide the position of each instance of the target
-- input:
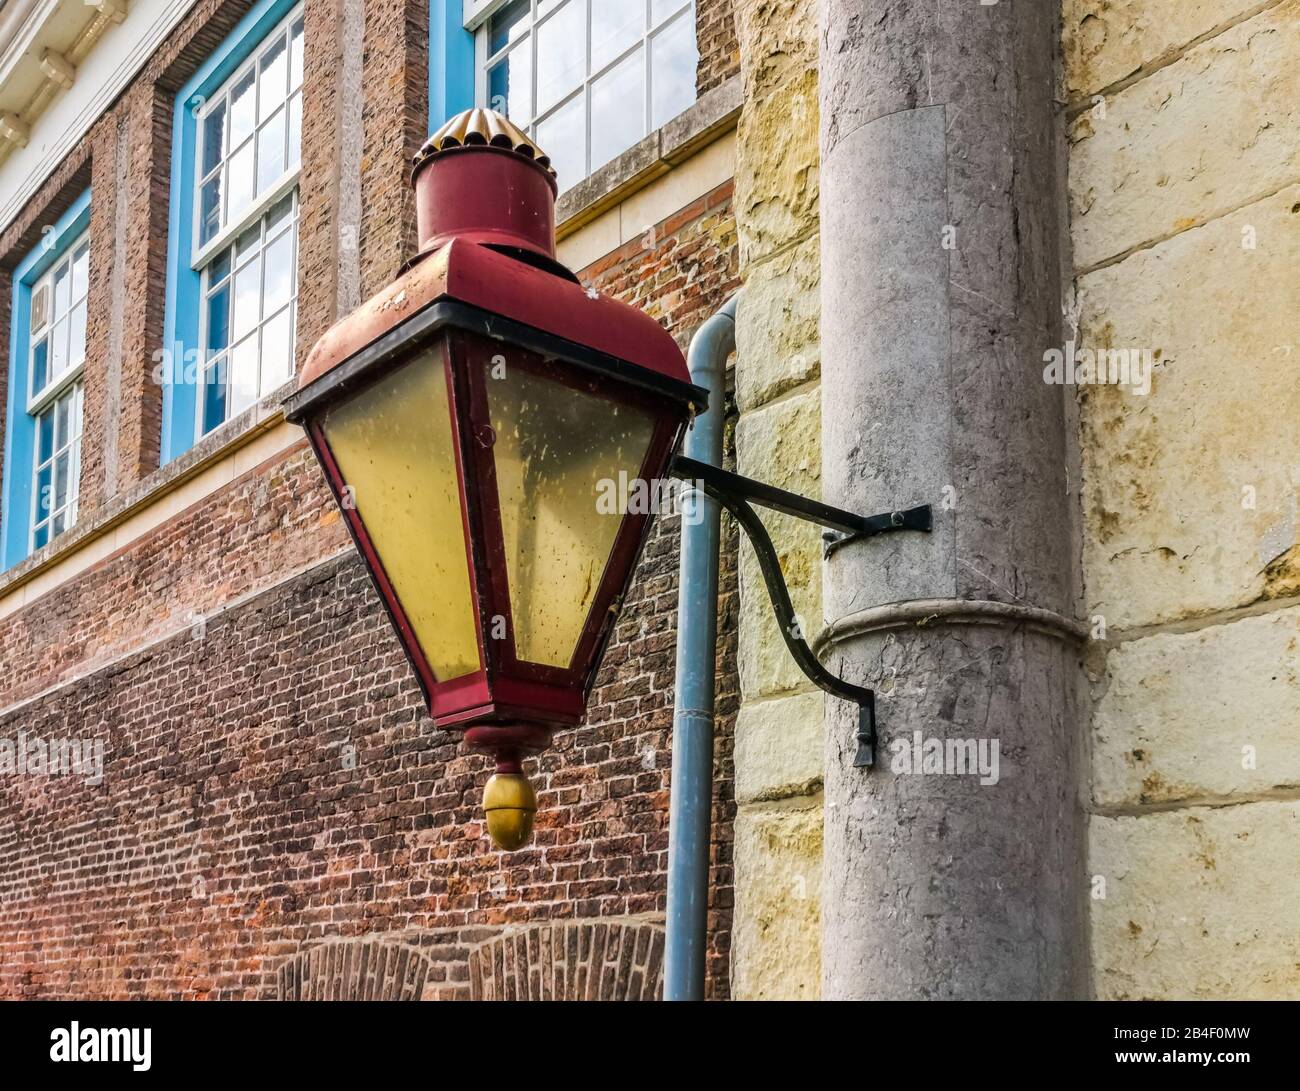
(690, 808)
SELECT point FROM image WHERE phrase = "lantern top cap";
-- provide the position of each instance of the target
(483, 128)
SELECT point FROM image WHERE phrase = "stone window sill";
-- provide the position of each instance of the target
(713, 113)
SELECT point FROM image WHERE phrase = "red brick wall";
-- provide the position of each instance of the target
(233, 828)
(230, 831)
(715, 36)
(274, 520)
(397, 111)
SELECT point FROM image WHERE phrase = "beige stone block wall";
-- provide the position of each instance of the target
(1185, 224)
(1190, 490)
(1202, 716)
(779, 747)
(1109, 42)
(1199, 904)
(778, 904)
(1214, 131)
(776, 942)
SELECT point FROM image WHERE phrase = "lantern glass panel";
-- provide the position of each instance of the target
(557, 450)
(395, 451)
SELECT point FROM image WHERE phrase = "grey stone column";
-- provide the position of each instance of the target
(942, 194)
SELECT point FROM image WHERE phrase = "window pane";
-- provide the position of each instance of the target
(248, 243)
(210, 210)
(615, 26)
(40, 307)
(241, 182)
(45, 437)
(562, 136)
(278, 213)
(42, 536)
(661, 9)
(295, 130)
(561, 54)
(248, 300)
(274, 83)
(214, 130)
(295, 55)
(674, 57)
(277, 350)
(62, 289)
(214, 396)
(219, 319)
(218, 268)
(617, 109)
(510, 85)
(80, 271)
(60, 481)
(45, 486)
(270, 152)
(243, 376)
(243, 108)
(507, 25)
(40, 364)
(394, 444)
(61, 415)
(59, 349)
(279, 273)
(77, 335)
(554, 445)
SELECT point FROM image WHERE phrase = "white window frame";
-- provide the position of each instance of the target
(45, 400)
(205, 254)
(482, 62)
(208, 289)
(74, 389)
(36, 399)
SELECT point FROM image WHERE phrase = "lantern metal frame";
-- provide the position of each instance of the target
(509, 704)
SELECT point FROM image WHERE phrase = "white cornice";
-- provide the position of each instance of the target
(63, 117)
(20, 22)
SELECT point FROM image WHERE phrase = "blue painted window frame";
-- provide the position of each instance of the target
(20, 426)
(451, 62)
(182, 357)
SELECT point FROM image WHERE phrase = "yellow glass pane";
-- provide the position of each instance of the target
(393, 446)
(556, 450)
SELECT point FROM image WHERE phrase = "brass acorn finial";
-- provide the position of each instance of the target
(510, 803)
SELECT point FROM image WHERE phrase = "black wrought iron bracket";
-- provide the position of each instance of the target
(736, 494)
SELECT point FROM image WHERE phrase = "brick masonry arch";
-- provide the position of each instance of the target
(354, 969)
(574, 960)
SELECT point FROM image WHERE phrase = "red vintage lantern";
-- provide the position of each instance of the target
(468, 418)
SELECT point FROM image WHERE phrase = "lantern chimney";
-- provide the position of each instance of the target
(480, 178)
